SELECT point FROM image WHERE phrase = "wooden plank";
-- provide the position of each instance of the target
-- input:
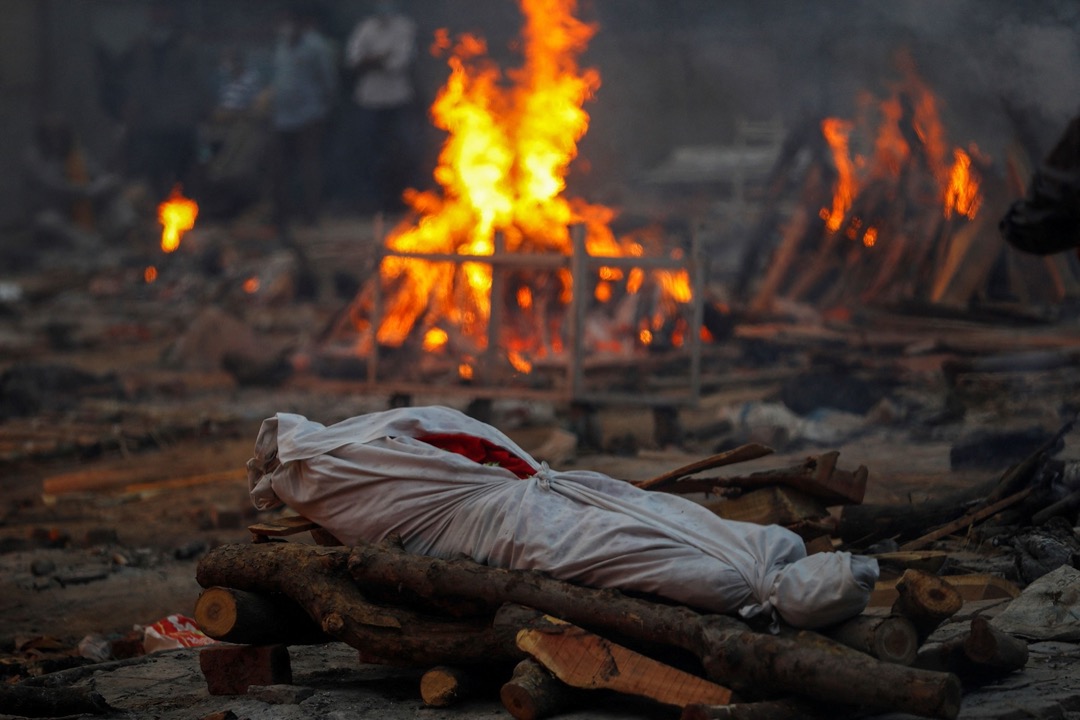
(584, 660)
(282, 527)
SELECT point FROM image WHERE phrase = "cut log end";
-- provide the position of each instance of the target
(444, 686)
(533, 693)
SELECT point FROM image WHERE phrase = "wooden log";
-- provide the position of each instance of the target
(246, 618)
(966, 520)
(40, 702)
(533, 693)
(989, 647)
(584, 660)
(891, 638)
(982, 654)
(743, 453)
(765, 710)
(1065, 506)
(805, 664)
(316, 578)
(446, 685)
(927, 600)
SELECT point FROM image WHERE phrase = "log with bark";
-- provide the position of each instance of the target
(982, 654)
(891, 638)
(765, 710)
(533, 693)
(926, 600)
(757, 664)
(237, 616)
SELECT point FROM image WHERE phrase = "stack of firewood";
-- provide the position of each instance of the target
(549, 643)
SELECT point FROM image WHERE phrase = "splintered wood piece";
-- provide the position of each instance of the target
(743, 453)
(927, 600)
(281, 527)
(891, 638)
(972, 588)
(445, 685)
(249, 618)
(770, 506)
(584, 660)
(533, 693)
(765, 710)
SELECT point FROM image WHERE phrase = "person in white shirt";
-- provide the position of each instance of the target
(380, 54)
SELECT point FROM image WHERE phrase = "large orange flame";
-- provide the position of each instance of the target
(176, 215)
(501, 172)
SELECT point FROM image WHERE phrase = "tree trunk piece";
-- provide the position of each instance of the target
(533, 693)
(807, 664)
(891, 638)
(926, 600)
(317, 579)
(246, 618)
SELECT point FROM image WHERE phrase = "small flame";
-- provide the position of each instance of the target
(465, 371)
(435, 338)
(177, 216)
(836, 132)
(251, 285)
(645, 336)
(519, 363)
(524, 297)
(962, 194)
(150, 274)
(870, 237)
(603, 292)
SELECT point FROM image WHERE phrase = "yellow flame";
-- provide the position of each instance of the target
(836, 132)
(435, 338)
(176, 215)
(962, 193)
(519, 363)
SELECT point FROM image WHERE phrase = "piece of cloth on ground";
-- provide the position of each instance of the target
(371, 476)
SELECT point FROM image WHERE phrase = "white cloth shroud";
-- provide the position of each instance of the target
(369, 477)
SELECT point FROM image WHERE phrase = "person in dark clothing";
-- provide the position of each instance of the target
(166, 98)
(1047, 219)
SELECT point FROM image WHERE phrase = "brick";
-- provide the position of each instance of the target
(230, 669)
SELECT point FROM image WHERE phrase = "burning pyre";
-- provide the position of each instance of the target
(511, 138)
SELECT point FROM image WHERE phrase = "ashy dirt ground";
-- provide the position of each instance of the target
(146, 459)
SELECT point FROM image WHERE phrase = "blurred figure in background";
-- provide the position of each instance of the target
(380, 54)
(165, 100)
(74, 204)
(233, 140)
(1047, 219)
(304, 85)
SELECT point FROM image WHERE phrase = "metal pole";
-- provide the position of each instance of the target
(579, 303)
(697, 313)
(495, 304)
(378, 230)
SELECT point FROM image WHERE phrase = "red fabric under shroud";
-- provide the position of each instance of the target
(480, 451)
